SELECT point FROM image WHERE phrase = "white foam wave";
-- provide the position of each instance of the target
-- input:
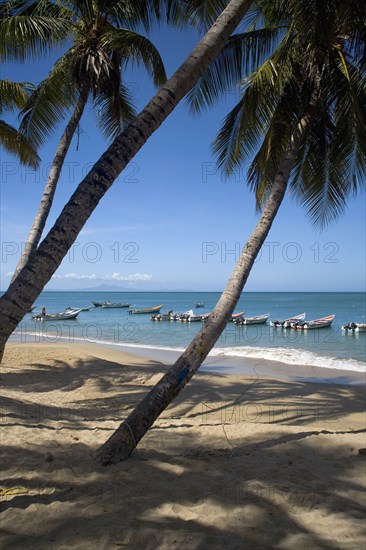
(291, 357)
(284, 355)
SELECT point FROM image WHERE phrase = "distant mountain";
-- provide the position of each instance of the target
(116, 288)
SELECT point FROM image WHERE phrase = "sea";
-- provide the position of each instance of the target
(326, 348)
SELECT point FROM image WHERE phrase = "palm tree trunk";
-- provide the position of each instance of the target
(30, 281)
(41, 216)
(124, 440)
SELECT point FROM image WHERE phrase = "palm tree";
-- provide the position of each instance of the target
(54, 247)
(91, 67)
(307, 107)
(13, 95)
(22, 292)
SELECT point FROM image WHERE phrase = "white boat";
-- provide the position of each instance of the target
(63, 316)
(192, 318)
(354, 327)
(155, 309)
(236, 316)
(108, 304)
(316, 323)
(287, 322)
(162, 316)
(68, 309)
(252, 320)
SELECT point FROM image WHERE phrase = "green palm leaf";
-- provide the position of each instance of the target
(114, 112)
(134, 47)
(15, 143)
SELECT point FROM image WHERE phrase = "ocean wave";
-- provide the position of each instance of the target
(291, 357)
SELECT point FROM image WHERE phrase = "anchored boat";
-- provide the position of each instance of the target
(63, 316)
(316, 323)
(252, 320)
(154, 309)
(287, 322)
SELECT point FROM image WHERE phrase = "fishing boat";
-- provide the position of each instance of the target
(98, 304)
(109, 304)
(186, 315)
(287, 322)
(354, 327)
(200, 304)
(178, 316)
(154, 309)
(316, 323)
(193, 318)
(78, 308)
(162, 317)
(258, 319)
(63, 316)
(236, 316)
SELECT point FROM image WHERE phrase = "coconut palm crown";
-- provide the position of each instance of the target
(318, 69)
(91, 67)
(103, 41)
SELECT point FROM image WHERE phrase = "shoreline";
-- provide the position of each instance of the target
(224, 364)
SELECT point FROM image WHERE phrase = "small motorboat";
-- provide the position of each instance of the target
(193, 318)
(199, 304)
(63, 316)
(287, 322)
(109, 304)
(316, 323)
(162, 317)
(78, 308)
(258, 319)
(236, 316)
(155, 309)
(354, 327)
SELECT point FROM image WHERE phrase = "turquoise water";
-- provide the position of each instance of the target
(329, 347)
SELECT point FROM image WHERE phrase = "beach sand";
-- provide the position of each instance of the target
(236, 461)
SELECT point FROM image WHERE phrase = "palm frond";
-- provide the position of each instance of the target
(136, 48)
(114, 112)
(242, 54)
(48, 104)
(16, 143)
(13, 94)
(30, 29)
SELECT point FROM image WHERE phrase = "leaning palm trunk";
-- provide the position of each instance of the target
(43, 263)
(41, 216)
(124, 440)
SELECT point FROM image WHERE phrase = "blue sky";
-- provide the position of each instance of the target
(172, 221)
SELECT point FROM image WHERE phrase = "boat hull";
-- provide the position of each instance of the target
(115, 306)
(317, 323)
(155, 309)
(57, 316)
(257, 320)
(287, 322)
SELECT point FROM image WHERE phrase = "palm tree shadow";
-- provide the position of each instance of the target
(201, 478)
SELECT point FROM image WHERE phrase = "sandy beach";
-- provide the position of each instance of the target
(237, 461)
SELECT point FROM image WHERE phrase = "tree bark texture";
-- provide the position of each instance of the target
(30, 281)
